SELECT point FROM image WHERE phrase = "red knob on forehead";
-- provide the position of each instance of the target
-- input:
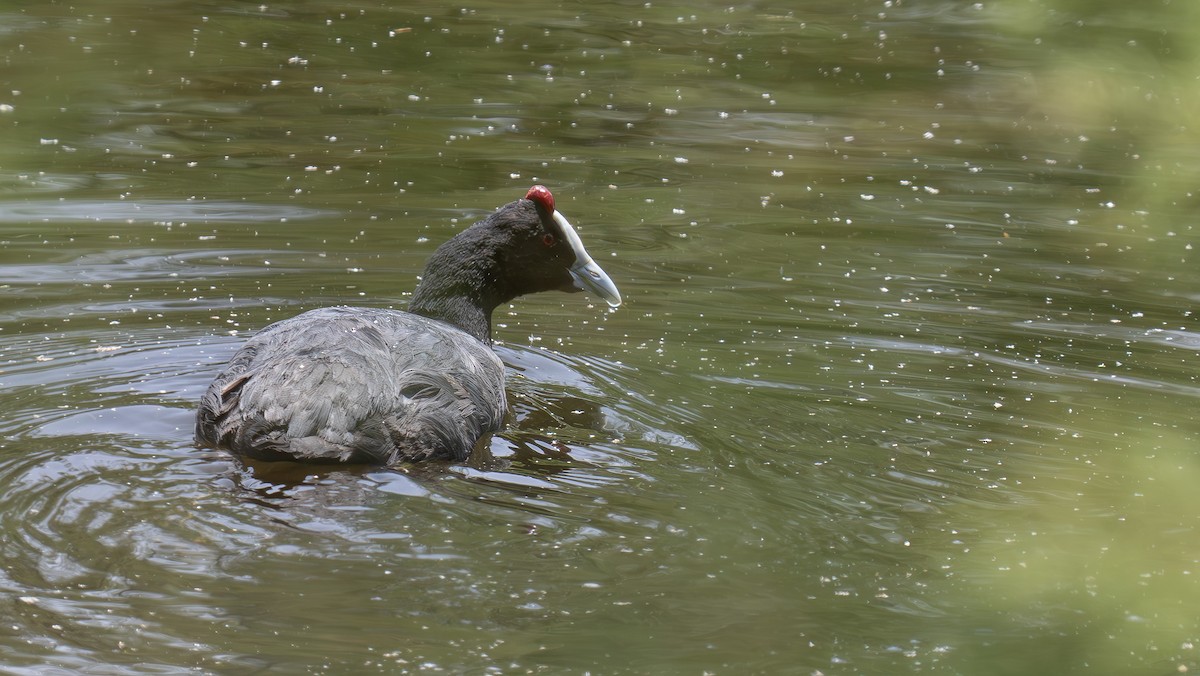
(541, 195)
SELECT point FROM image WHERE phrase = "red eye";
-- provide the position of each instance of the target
(549, 240)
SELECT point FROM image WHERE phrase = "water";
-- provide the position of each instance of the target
(903, 381)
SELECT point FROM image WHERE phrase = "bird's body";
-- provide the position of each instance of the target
(369, 385)
(355, 384)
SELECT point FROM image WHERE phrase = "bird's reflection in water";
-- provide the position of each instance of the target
(540, 443)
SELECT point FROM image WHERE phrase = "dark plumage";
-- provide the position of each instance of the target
(365, 385)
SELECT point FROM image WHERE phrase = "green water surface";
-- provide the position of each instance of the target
(903, 382)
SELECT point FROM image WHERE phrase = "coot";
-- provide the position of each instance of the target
(367, 385)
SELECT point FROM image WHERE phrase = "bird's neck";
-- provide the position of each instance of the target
(456, 310)
(459, 285)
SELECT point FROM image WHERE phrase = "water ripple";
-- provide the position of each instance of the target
(146, 211)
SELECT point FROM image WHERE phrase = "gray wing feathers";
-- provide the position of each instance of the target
(356, 384)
